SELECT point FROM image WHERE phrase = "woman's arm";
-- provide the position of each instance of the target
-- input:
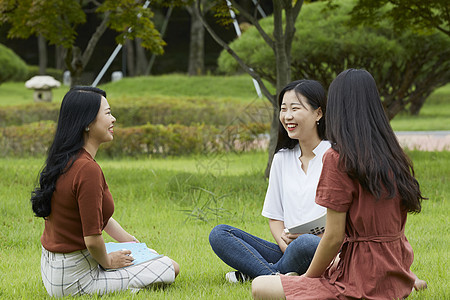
(277, 229)
(118, 259)
(329, 245)
(116, 231)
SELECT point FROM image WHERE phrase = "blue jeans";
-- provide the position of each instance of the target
(254, 256)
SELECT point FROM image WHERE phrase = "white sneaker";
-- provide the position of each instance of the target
(236, 276)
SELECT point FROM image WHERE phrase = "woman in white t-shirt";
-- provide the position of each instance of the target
(289, 201)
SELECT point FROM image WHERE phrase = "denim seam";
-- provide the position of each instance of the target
(251, 237)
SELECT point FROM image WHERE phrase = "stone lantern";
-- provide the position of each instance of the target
(42, 86)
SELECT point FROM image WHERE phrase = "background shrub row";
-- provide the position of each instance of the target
(160, 140)
(158, 111)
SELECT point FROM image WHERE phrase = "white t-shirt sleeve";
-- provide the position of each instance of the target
(273, 206)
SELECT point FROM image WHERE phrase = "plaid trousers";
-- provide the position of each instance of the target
(78, 273)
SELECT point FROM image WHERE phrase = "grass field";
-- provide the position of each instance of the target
(435, 115)
(152, 197)
(173, 203)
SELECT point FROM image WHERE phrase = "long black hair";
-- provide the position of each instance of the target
(79, 108)
(359, 130)
(314, 92)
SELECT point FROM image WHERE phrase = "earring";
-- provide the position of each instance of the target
(86, 129)
(317, 122)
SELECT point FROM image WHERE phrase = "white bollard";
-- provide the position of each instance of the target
(116, 76)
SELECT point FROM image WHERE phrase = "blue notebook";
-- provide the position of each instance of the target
(139, 250)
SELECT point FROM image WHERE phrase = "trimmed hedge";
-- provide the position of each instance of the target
(154, 111)
(34, 71)
(29, 113)
(32, 139)
(150, 140)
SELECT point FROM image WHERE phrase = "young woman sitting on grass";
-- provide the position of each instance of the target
(289, 201)
(77, 206)
(368, 187)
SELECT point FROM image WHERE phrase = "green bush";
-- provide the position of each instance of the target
(34, 71)
(407, 66)
(12, 66)
(29, 113)
(32, 139)
(187, 111)
(164, 111)
(150, 140)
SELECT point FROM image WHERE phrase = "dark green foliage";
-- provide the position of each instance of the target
(34, 71)
(417, 14)
(407, 66)
(12, 67)
(147, 140)
(23, 114)
(185, 111)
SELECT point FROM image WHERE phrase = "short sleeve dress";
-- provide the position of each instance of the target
(375, 257)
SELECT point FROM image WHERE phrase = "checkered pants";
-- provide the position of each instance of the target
(77, 273)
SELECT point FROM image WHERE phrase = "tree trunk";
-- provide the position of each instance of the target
(60, 53)
(281, 44)
(196, 45)
(418, 98)
(141, 59)
(42, 47)
(282, 58)
(75, 65)
(274, 127)
(131, 71)
(76, 61)
(162, 32)
(415, 107)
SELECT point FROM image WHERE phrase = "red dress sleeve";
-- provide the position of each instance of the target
(336, 190)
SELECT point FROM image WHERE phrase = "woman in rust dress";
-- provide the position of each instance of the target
(368, 187)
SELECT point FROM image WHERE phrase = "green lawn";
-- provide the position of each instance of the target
(228, 88)
(152, 197)
(435, 115)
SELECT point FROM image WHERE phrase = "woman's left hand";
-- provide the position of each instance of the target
(288, 237)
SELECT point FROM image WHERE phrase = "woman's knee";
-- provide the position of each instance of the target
(217, 232)
(306, 243)
(176, 267)
(259, 287)
(267, 287)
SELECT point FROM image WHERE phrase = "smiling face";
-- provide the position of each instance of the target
(298, 117)
(101, 129)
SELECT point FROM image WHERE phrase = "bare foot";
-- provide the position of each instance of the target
(420, 284)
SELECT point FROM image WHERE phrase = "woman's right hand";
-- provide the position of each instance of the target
(119, 259)
(113, 260)
(288, 237)
(277, 230)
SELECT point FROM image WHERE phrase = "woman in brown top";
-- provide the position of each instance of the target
(368, 187)
(75, 201)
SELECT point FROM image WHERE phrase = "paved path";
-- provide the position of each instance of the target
(424, 140)
(413, 140)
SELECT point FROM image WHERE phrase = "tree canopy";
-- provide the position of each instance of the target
(407, 66)
(278, 40)
(416, 14)
(58, 21)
